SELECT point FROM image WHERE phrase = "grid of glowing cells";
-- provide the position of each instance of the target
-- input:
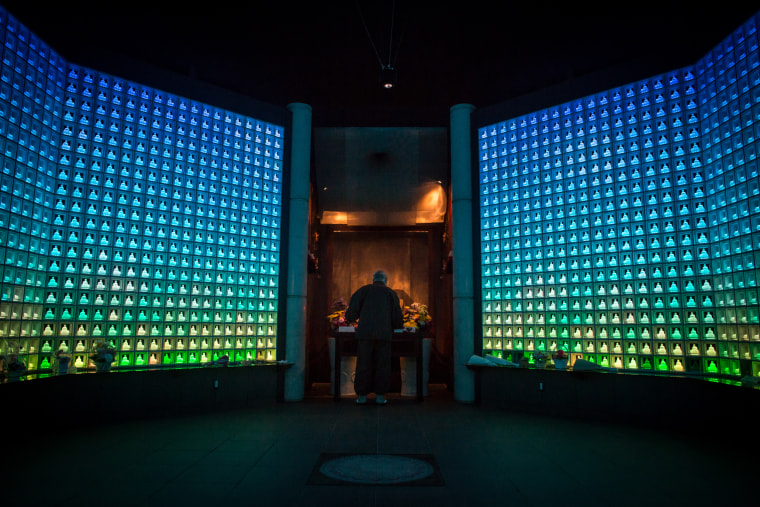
(133, 216)
(624, 227)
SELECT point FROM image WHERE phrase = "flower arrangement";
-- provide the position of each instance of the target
(560, 360)
(416, 317)
(337, 315)
(539, 357)
(103, 355)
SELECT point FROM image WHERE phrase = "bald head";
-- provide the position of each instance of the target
(380, 276)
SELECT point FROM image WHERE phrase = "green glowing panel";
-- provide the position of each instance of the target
(632, 214)
(132, 214)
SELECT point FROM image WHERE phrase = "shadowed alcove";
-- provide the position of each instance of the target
(403, 255)
(379, 201)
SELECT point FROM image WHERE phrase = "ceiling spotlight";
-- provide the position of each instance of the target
(388, 77)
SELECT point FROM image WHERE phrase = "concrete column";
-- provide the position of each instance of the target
(298, 244)
(461, 238)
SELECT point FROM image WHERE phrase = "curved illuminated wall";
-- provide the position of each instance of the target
(624, 227)
(131, 215)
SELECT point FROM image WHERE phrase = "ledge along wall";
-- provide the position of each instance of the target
(105, 397)
(686, 404)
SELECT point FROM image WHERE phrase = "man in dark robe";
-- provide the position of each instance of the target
(378, 310)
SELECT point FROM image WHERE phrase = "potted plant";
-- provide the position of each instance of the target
(417, 319)
(103, 355)
(560, 360)
(347, 366)
(539, 359)
(16, 368)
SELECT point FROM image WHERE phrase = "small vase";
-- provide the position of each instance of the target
(560, 364)
(102, 367)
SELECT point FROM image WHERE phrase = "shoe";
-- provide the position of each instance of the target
(361, 400)
(380, 400)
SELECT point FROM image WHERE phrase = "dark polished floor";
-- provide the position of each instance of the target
(267, 455)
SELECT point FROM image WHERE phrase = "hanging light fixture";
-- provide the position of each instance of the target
(388, 76)
(388, 73)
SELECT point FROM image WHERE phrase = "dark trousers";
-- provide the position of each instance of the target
(373, 367)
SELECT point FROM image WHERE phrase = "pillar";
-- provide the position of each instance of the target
(298, 238)
(461, 239)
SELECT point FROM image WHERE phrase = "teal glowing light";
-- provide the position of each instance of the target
(632, 213)
(132, 213)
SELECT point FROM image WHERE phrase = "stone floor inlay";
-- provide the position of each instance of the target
(376, 469)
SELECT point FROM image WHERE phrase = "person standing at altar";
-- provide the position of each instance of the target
(378, 310)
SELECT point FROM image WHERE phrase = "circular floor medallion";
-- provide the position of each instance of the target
(376, 469)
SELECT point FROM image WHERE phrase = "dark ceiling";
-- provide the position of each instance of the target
(328, 54)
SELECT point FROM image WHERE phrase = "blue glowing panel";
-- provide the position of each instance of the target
(624, 227)
(131, 215)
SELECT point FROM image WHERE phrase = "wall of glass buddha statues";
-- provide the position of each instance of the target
(131, 215)
(624, 227)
